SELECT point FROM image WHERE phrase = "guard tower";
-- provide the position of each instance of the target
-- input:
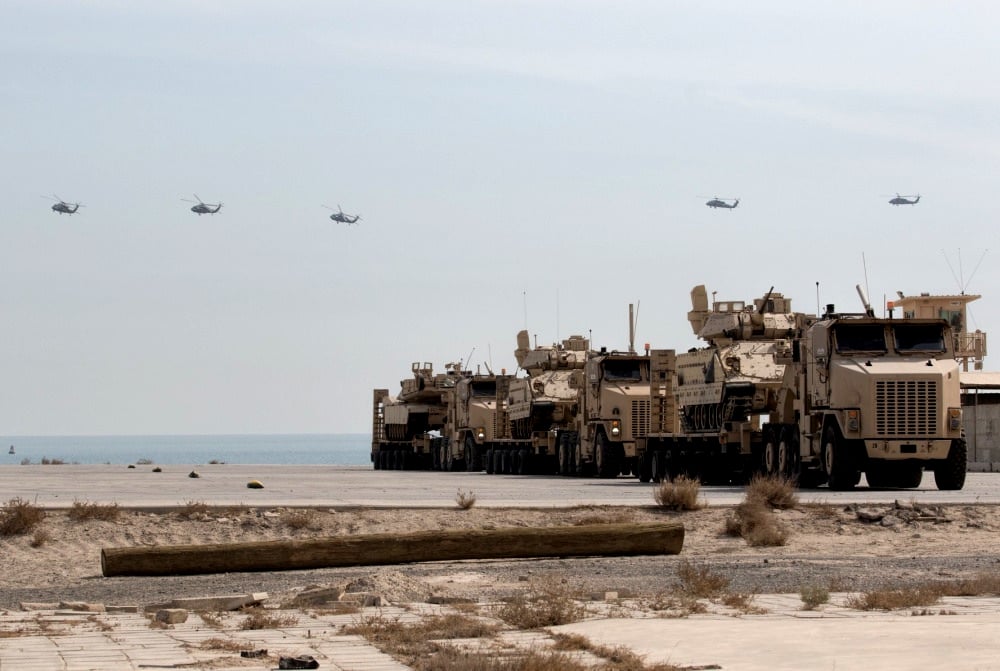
(968, 346)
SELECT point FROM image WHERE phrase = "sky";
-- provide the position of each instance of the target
(534, 165)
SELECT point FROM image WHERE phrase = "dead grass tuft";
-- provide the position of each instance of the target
(414, 641)
(83, 510)
(700, 582)
(814, 596)
(450, 659)
(258, 618)
(679, 494)
(606, 517)
(774, 491)
(210, 619)
(19, 517)
(891, 599)
(743, 602)
(618, 658)
(299, 519)
(40, 538)
(465, 500)
(226, 644)
(551, 604)
(755, 522)
(192, 509)
(983, 584)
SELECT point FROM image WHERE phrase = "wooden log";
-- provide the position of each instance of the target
(577, 541)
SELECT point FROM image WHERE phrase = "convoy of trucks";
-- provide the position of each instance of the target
(820, 400)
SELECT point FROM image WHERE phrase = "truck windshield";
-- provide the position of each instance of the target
(859, 338)
(919, 337)
(622, 370)
(481, 389)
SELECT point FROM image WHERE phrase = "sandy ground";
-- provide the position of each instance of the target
(62, 556)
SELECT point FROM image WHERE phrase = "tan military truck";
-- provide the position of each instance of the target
(879, 396)
(406, 429)
(471, 425)
(613, 414)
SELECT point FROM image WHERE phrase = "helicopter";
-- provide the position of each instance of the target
(342, 218)
(203, 208)
(905, 200)
(62, 207)
(725, 203)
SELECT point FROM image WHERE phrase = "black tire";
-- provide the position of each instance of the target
(604, 455)
(658, 466)
(376, 462)
(769, 456)
(907, 476)
(788, 452)
(841, 470)
(645, 468)
(471, 455)
(489, 461)
(523, 462)
(876, 476)
(950, 474)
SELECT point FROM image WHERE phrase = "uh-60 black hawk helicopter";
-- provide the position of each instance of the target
(725, 203)
(905, 200)
(202, 207)
(342, 218)
(62, 207)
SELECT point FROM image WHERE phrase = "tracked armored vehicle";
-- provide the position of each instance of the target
(406, 428)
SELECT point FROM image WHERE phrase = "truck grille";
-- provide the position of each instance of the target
(640, 418)
(906, 407)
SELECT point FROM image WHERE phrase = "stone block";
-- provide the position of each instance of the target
(171, 615)
(82, 606)
(319, 595)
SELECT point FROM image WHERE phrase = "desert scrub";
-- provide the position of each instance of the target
(413, 641)
(550, 605)
(464, 499)
(700, 582)
(678, 494)
(19, 517)
(814, 596)
(192, 509)
(299, 519)
(893, 598)
(84, 510)
(774, 491)
(258, 618)
(756, 524)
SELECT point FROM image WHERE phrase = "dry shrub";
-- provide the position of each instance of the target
(226, 644)
(18, 517)
(192, 509)
(551, 605)
(414, 641)
(755, 522)
(608, 517)
(618, 658)
(41, 537)
(743, 602)
(258, 618)
(82, 511)
(700, 582)
(814, 596)
(299, 519)
(465, 500)
(678, 494)
(980, 585)
(774, 491)
(450, 659)
(891, 599)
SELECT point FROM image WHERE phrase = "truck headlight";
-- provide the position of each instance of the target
(853, 420)
(954, 418)
(616, 427)
(481, 434)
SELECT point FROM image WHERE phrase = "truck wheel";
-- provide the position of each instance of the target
(907, 476)
(607, 464)
(770, 465)
(950, 473)
(658, 466)
(645, 468)
(841, 471)
(523, 462)
(471, 455)
(876, 475)
(788, 453)
(488, 459)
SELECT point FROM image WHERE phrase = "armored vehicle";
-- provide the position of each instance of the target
(406, 428)
(472, 422)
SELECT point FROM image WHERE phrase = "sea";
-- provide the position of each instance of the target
(338, 449)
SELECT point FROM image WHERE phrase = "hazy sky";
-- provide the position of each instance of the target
(542, 160)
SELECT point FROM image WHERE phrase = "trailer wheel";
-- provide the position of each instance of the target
(841, 471)
(523, 462)
(645, 468)
(770, 454)
(950, 474)
(607, 463)
(788, 452)
(658, 466)
(488, 459)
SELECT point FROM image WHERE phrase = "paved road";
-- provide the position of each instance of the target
(337, 486)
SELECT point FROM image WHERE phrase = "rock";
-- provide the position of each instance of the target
(219, 603)
(171, 615)
(193, 474)
(82, 606)
(604, 596)
(448, 600)
(866, 515)
(890, 521)
(315, 596)
(38, 605)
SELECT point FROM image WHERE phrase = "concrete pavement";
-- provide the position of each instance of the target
(341, 487)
